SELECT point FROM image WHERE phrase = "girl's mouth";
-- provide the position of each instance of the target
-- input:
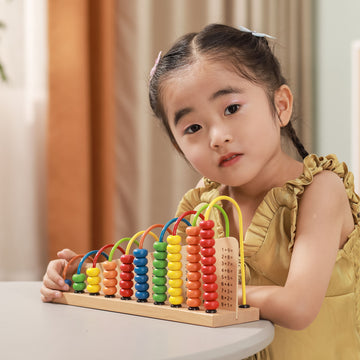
(229, 159)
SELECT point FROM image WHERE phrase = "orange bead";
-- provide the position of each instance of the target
(109, 282)
(193, 230)
(110, 274)
(109, 265)
(109, 290)
(193, 267)
(193, 302)
(193, 293)
(193, 276)
(193, 258)
(193, 249)
(193, 285)
(193, 240)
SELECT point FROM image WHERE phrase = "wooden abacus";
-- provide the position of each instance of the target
(211, 290)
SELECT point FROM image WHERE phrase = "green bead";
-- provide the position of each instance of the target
(159, 289)
(159, 264)
(79, 278)
(79, 286)
(159, 280)
(160, 246)
(159, 297)
(160, 272)
(160, 255)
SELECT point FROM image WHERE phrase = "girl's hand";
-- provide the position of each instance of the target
(53, 283)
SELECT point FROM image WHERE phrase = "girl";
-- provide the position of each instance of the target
(223, 101)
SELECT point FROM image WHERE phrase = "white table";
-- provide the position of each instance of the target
(30, 329)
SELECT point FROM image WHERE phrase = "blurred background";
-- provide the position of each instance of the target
(84, 163)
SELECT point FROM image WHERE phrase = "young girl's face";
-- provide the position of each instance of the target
(222, 122)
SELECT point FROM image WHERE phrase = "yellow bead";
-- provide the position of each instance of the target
(93, 288)
(176, 300)
(173, 249)
(174, 265)
(175, 283)
(173, 239)
(93, 280)
(92, 272)
(174, 257)
(174, 274)
(175, 291)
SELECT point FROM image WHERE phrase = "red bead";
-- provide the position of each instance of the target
(210, 260)
(210, 287)
(206, 224)
(193, 258)
(127, 259)
(127, 267)
(193, 249)
(210, 269)
(126, 276)
(211, 305)
(192, 230)
(209, 278)
(207, 234)
(126, 284)
(207, 251)
(206, 243)
(210, 296)
(126, 292)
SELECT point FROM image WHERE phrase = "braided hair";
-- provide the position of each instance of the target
(249, 55)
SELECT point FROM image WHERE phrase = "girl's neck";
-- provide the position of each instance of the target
(275, 175)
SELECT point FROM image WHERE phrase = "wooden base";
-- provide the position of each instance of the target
(164, 312)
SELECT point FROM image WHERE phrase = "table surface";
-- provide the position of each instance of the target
(35, 330)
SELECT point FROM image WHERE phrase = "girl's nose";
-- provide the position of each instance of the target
(220, 137)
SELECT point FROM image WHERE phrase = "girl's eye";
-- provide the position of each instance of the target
(232, 109)
(192, 129)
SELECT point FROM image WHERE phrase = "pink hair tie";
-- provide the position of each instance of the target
(152, 71)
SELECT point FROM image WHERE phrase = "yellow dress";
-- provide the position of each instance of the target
(268, 243)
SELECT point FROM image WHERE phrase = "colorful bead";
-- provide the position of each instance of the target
(110, 280)
(174, 269)
(141, 278)
(208, 269)
(126, 276)
(93, 281)
(79, 282)
(159, 273)
(193, 276)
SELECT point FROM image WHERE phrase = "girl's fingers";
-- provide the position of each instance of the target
(48, 295)
(66, 254)
(53, 278)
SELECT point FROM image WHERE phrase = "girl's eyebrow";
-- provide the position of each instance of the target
(228, 90)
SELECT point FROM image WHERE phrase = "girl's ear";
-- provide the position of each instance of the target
(283, 103)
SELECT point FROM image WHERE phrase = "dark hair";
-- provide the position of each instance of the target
(249, 55)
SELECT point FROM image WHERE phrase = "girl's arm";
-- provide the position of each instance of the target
(324, 221)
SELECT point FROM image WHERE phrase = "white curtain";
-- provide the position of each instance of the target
(151, 176)
(22, 127)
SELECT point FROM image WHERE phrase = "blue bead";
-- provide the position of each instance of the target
(141, 287)
(142, 294)
(141, 279)
(68, 282)
(140, 253)
(140, 261)
(141, 270)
